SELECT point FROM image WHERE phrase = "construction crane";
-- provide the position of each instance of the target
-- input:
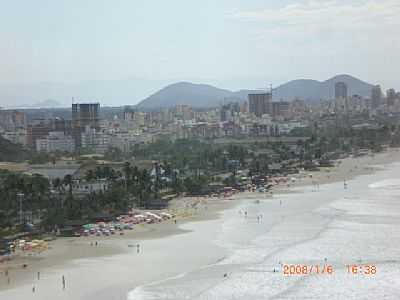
(266, 89)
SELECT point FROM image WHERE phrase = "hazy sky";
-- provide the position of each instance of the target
(230, 43)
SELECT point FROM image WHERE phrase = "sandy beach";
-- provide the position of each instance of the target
(63, 251)
(211, 232)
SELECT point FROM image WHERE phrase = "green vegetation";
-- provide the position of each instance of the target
(181, 166)
(16, 153)
(15, 188)
(12, 152)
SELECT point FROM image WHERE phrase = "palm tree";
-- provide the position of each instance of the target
(68, 182)
(89, 176)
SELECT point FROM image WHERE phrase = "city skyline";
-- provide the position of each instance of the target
(59, 95)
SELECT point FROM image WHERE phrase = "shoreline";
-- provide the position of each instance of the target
(65, 251)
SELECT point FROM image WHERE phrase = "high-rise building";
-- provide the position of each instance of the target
(83, 116)
(376, 96)
(340, 90)
(129, 114)
(260, 104)
(228, 111)
(41, 128)
(11, 120)
(166, 116)
(280, 109)
(391, 96)
(55, 141)
(183, 112)
(61, 125)
(95, 140)
(38, 129)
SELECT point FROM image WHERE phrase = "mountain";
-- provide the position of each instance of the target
(201, 95)
(196, 95)
(107, 92)
(312, 90)
(49, 103)
(132, 90)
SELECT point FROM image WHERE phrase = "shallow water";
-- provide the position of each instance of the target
(332, 226)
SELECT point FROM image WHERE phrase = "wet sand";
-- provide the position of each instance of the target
(62, 251)
(332, 225)
(113, 268)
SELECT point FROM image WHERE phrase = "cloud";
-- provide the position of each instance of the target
(318, 18)
(316, 39)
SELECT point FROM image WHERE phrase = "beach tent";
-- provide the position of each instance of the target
(88, 226)
(153, 215)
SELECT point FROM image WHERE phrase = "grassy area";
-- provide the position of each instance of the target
(4, 232)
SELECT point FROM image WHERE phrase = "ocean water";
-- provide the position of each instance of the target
(332, 226)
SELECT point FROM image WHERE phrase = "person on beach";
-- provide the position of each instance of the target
(33, 289)
(63, 282)
(138, 248)
(38, 275)
(345, 184)
(96, 243)
(245, 214)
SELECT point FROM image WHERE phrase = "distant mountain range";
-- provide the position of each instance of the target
(313, 90)
(49, 103)
(107, 92)
(131, 91)
(201, 95)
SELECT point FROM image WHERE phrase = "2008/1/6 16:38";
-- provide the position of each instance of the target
(327, 269)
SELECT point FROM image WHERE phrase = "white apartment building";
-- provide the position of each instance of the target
(55, 141)
(96, 141)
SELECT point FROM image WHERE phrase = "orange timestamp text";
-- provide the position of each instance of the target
(353, 269)
(307, 269)
(361, 269)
